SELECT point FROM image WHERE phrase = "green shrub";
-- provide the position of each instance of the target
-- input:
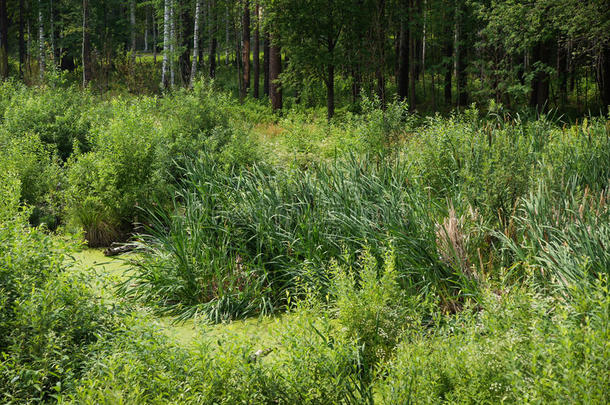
(57, 115)
(520, 348)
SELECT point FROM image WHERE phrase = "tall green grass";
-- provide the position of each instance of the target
(261, 229)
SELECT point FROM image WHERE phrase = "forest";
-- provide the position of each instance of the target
(304, 201)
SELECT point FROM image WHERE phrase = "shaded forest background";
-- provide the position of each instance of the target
(435, 54)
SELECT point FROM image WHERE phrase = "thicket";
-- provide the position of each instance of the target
(454, 259)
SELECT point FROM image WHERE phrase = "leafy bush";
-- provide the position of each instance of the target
(48, 316)
(58, 116)
(521, 347)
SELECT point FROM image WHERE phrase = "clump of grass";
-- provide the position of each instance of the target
(278, 223)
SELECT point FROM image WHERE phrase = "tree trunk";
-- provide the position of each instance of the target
(227, 43)
(86, 50)
(381, 37)
(460, 55)
(448, 56)
(172, 42)
(275, 68)
(330, 91)
(21, 38)
(3, 41)
(540, 84)
(213, 21)
(412, 58)
(266, 64)
(603, 80)
(403, 58)
(246, 48)
(146, 21)
(41, 50)
(256, 52)
(153, 21)
(132, 27)
(165, 67)
(195, 42)
(562, 74)
(185, 56)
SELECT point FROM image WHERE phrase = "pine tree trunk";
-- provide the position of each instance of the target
(266, 52)
(275, 68)
(195, 42)
(256, 52)
(246, 48)
(153, 21)
(166, 48)
(86, 50)
(3, 40)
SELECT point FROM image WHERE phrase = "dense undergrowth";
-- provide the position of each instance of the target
(443, 259)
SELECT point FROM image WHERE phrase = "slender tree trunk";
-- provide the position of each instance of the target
(132, 27)
(41, 50)
(86, 49)
(153, 20)
(412, 53)
(185, 56)
(195, 42)
(403, 56)
(227, 42)
(213, 25)
(21, 38)
(381, 37)
(172, 42)
(275, 68)
(604, 76)
(146, 20)
(266, 52)
(246, 47)
(54, 51)
(166, 47)
(3, 41)
(540, 84)
(562, 74)
(448, 54)
(330, 91)
(460, 55)
(256, 52)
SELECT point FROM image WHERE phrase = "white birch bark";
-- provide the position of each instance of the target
(165, 68)
(195, 42)
(41, 53)
(172, 43)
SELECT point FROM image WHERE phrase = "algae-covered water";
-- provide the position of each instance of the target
(108, 272)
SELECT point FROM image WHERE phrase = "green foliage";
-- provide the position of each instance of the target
(372, 308)
(48, 316)
(520, 348)
(58, 116)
